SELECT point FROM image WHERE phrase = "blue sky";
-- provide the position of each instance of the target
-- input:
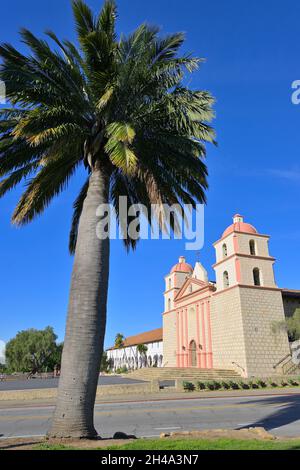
(253, 56)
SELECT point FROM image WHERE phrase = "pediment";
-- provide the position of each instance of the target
(190, 286)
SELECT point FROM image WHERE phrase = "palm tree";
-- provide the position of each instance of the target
(119, 341)
(142, 349)
(119, 108)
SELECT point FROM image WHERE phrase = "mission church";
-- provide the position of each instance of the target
(226, 324)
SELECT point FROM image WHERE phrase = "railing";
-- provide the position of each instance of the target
(240, 367)
(281, 360)
(287, 367)
(290, 367)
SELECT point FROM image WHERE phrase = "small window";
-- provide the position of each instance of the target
(170, 283)
(256, 277)
(225, 279)
(224, 248)
(252, 247)
(169, 304)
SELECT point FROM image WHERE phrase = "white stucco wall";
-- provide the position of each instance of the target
(130, 358)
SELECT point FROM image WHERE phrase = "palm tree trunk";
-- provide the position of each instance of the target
(86, 321)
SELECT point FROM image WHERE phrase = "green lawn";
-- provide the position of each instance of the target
(194, 444)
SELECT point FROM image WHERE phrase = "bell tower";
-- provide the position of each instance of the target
(174, 280)
(247, 303)
(242, 257)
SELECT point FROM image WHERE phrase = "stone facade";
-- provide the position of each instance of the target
(228, 332)
(264, 348)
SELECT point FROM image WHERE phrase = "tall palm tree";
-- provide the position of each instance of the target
(142, 349)
(120, 108)
(119, 340)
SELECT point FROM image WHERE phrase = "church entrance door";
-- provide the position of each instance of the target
(193, 354)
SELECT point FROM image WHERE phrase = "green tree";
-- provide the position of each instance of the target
(119, 340)
(32, 351)
(293, 326)
(118, 107)
(142, 350)
(105, 363)
(55, 359)
(4, 369)
(290, 324)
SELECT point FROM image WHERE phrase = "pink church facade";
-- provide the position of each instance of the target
(193, 323)
(195, 352)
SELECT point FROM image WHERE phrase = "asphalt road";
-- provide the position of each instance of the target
(278, 414)
(52, 383)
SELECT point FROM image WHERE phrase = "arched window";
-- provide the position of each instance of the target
(169, 304)
(225, 279)
(256, 277)
(224, 248)
(170, 283)
(252, 247)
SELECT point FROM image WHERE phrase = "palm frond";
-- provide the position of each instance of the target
(107, 19)
(48, 183)
(16, 177)
(84, 18)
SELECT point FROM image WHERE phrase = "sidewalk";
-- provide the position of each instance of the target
(159, 396)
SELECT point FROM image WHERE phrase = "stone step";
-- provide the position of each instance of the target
(184, 373)
(178, 369)
(200, 378)
(168, 373)
(188, 373)
(149, 371)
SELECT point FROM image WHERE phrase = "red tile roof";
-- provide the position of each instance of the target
(143, 338)
(290, 292)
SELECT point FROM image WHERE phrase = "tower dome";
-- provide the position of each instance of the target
(239, 226)
(182, 266)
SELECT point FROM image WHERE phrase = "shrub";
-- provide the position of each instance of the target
(261, 383)
(283, 383)
(272, 383)
(188, 386)
(225, 385)
(201, 385)
(252, 384)
(243, 385)
(210, 385)
(233, 385)
(292, 382)
(122, 370)
(216, 385)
